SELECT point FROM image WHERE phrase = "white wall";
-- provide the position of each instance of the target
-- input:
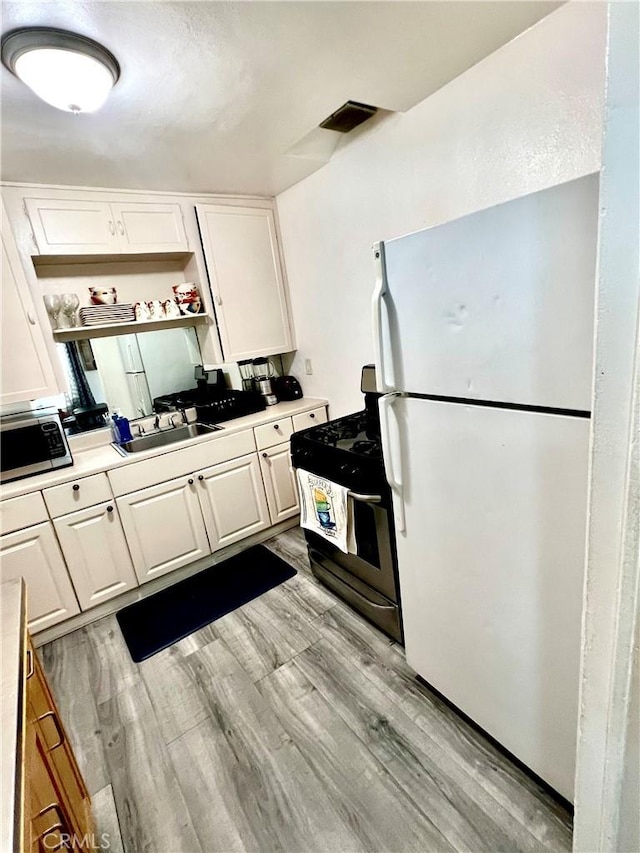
(525, 118)
(607, 801)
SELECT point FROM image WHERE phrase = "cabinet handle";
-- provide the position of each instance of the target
(120, 227)
(109, 508)
(218, 299)
(276, 426)
(76, 487)
(30, 666)
(59, 824)
(112, 230)
(265, 455)
(31, 318)
(201, 477)
(190, 481)
(311, 415)
(56, 722)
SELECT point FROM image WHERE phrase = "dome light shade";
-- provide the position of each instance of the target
(68, 71)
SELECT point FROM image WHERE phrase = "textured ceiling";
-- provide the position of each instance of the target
(214, 94)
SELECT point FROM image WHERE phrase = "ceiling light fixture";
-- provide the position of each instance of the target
(68, 71)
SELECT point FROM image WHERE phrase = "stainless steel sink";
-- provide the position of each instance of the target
(162, 438)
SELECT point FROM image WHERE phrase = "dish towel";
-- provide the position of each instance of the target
(325, 509)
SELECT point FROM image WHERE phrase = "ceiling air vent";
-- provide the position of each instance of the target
(348, 116)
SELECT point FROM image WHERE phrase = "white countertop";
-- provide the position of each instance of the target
(12, 634)
(93, 460)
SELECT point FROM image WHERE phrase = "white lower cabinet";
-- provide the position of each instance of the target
(164, 527)
(34, 554)
(279, 482)
(233, 500)
(96, 553)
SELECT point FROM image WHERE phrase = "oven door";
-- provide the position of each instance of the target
(373, 563)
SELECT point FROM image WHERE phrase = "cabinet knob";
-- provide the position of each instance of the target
(311, 415)
(76, 487)
(265, 455)
(201, 477)
(31, 318)
(275, 426)
(109, 508)
(112, 230)
(191, 481)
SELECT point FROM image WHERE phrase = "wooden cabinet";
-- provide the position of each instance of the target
(56, 800)
(279, 482)
(34, 554)
(86, 227)
(26, 368)
(164, 527)
(269, 435)
(96, 553)
(233, 500)
(247, 281)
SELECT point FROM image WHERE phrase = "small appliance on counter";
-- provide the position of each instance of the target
(286, 388)
(263, 373)
(32, 443)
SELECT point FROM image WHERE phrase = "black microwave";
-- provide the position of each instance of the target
(32, 443)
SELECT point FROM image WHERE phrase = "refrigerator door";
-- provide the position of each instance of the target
(130, 353)
(140, 396)
(491, 569)
(497, 305)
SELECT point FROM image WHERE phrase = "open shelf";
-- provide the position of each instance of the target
(80, 333)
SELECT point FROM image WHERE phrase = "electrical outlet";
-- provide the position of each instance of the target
(308, 368)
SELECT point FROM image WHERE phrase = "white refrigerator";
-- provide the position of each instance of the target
(483, 332)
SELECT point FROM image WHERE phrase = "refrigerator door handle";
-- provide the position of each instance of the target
(386, 403)
(379, 293)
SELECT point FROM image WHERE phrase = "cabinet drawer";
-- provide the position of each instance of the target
(78, 494)
(17, 513)
(309, 419)
(274, 433)
(177, 463)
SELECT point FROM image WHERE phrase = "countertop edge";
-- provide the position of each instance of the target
(13, 620)
(104, 457)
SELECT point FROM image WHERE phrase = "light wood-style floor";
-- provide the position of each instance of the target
(288, 725)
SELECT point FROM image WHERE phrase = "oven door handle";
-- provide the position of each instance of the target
(367, 499)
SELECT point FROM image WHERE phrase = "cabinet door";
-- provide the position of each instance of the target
(96, 552)
(34, 554)
(150, 228)
(233, 500)
(72, 227)
(164, 527)
(246, 277)
(26, 368)
(279, 482)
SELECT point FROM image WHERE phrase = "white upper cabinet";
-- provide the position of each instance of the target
(150, 227)
(85, 227)
(26, 368)
(247, 282)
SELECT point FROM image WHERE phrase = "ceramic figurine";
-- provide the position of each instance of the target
(188, 297)
(103, 295)
(171, 308)
(141, 310)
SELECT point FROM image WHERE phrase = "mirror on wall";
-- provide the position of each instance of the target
(126, 372)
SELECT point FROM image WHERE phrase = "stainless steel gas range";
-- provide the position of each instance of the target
(348, 451)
